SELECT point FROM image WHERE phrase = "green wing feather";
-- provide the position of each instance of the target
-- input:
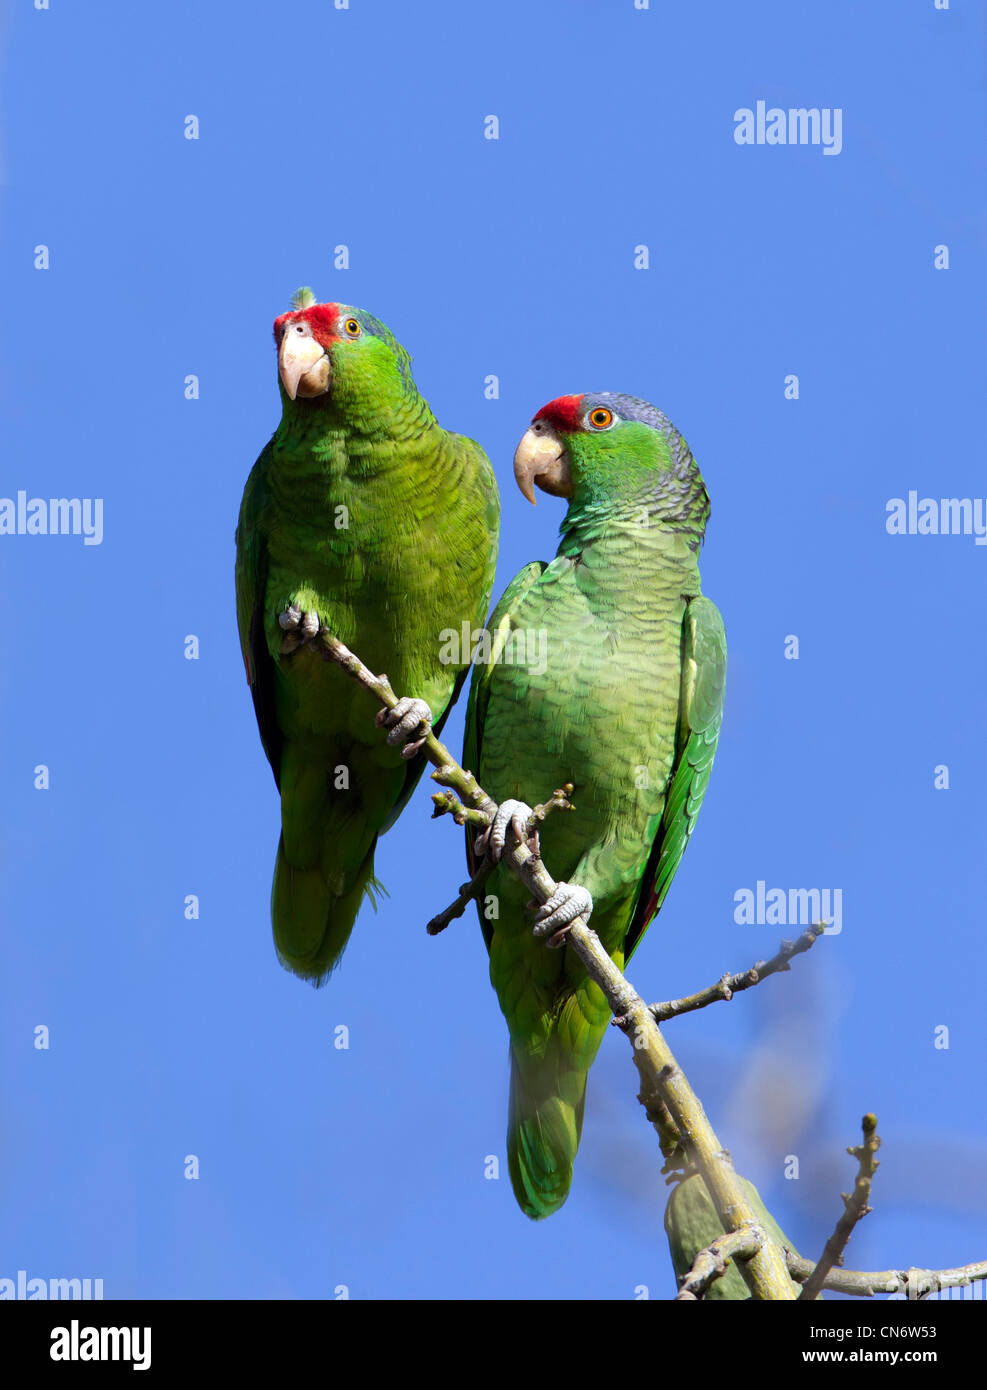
(704, 669)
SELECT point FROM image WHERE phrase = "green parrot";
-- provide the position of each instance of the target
(364, 517)
(606, 669)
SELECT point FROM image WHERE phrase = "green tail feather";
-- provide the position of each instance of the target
(312, 921)
(544, 1125)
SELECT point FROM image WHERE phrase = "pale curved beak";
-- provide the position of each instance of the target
(303, 365)
(541, 460)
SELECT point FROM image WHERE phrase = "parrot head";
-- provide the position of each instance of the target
(335, 353)
(602, 445)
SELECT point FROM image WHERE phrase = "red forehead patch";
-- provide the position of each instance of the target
(322, 317)
(565, 412)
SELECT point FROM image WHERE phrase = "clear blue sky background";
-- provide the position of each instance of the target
(365, 1168)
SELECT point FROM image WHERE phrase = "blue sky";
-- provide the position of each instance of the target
(364, 1168)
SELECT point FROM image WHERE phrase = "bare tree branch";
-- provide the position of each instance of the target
(710, 1263)
(855, 1207)
(765, 1271)
(670, 1103)
(467, 794)
(914, 1283)
(729, 985)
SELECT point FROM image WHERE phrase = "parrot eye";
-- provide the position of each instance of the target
(600, 418)
(352, 328)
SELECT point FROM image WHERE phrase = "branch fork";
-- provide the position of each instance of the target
(764, 1271)
(686, 1136)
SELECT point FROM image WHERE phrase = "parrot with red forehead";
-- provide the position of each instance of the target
(363, 517)
(624, 700)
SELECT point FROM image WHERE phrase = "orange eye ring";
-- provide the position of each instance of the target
(600, 417)
(352, 328)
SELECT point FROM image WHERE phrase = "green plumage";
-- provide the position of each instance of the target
(362, 509)
(691, 1224)
(628, 709)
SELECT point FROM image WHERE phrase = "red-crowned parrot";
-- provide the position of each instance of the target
(624, 702)
(363, 516)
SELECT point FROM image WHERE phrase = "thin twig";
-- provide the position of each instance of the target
(469, 795)
(854, 1208)
(729, 985)
(448, 803)
(712, 1262)
(914, 1283)
(765, 1272)
(558, 801)
(467, 893)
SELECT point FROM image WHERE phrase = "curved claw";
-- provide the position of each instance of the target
(515, 814)
(569, 901)
(408, 718)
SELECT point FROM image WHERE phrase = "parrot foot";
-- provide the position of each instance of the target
(409, 720)
(300, 629)
(514, 814)
(555, 917)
